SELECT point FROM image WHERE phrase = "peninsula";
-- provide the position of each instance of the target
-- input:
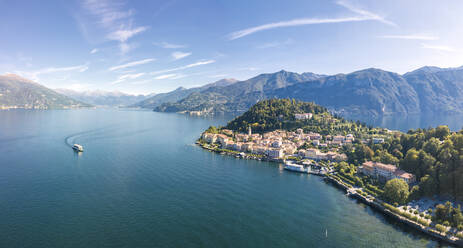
(412, 177)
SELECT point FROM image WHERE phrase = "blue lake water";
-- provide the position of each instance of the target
(142, 183)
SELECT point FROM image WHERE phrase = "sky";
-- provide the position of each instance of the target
(144, 47)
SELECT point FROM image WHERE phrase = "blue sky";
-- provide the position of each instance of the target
(157, 46)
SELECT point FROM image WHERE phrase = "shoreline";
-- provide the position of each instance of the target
(375, 204)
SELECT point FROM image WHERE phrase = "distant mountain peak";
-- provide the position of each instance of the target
(19, 92)
(432, 69)
(17, 77)
(180, 88)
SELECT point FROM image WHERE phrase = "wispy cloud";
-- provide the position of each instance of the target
(123, 35)
(179, 55)
(131, 64)
(169, 45)
(94, 50)
(410, 37)
(124, 77)
(438, 47)
(34, 75)
(115, 19)
(166, 76)
(199, 63)
(363, 15)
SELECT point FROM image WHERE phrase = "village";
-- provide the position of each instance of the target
(281, 145)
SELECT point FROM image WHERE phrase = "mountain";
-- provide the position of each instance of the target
(237, 97)
(179, 94)
(438, 90)
(369, 92)
(18, 92)
(103, 98)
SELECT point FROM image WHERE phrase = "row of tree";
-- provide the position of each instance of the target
(434, 156)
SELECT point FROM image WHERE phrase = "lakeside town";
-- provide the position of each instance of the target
(301, 152)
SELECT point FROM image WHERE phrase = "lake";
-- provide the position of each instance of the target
(141, 182)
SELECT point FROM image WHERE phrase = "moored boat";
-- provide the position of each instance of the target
(289, 165)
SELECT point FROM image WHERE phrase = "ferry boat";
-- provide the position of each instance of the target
(78, 148)
(289, 165)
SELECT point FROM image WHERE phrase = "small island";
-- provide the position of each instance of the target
(414, 177)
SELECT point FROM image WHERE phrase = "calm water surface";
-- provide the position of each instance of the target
(142, 183)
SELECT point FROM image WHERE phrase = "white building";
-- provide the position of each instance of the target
(304, 116)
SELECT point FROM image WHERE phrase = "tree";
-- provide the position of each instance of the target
(396, 190)
(411, 161)
(442, 132)
(212, 129)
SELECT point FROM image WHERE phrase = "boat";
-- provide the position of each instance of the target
(289, 165)
(78, 148)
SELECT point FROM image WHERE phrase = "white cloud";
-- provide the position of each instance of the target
(363, 16)
(126, 47)
(169, 45)
(410, 37)
(115, 19)
(34, 75)
(438, 47)
(364, 13)
(124, 77)
(123, 35)
(199, 63)
(108, 12)
(94, 50)
(166, 76)
(179, 55)
(131, 64)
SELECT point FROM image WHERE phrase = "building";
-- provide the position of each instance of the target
(304, 116)
(275, 153)
(242, 137)
(315, 136)
(222, 139)
(247, 147)
(209, 137)
(277, 143)
(378, 140)
(407, 177)
(385, 172)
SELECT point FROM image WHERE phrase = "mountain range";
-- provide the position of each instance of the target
(372, 91)
(103, 98)
(18, 92)
(179, 94)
